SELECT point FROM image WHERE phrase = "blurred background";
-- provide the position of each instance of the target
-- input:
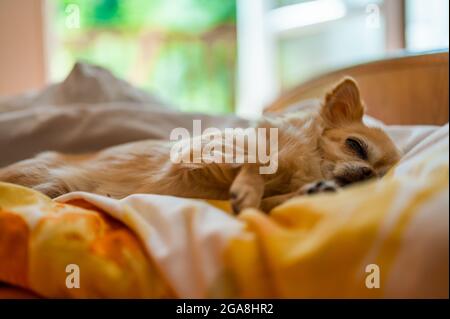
(214, 56)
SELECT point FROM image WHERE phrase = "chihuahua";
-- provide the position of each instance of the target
(321, 151)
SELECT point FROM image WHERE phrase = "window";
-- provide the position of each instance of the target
(286, 42)
(427, 24)
(218, 56)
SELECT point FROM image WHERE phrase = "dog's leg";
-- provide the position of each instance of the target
(35, 173)
(247, 189)
(267, 204)
(50, 173)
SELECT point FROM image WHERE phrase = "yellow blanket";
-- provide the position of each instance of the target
(386, 238)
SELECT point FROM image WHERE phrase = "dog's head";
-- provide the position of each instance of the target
(350, 150)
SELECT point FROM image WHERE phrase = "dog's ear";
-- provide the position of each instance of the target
(343, 104)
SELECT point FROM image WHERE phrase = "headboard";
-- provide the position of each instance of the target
(411, 89)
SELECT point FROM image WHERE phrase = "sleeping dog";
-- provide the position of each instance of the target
(327, 149)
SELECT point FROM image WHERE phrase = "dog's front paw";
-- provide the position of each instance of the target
(319, 187)
(244, 196)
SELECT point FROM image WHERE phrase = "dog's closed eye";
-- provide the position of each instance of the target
(357, 146)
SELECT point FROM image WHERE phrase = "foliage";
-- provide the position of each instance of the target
(181, 50)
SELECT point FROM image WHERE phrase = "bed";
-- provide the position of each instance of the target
(380, 239)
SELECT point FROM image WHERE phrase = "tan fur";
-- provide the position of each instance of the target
(312, 148)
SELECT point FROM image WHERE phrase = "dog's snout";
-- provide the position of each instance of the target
(354, 174)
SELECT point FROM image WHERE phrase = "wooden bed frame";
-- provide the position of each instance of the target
(410, 89)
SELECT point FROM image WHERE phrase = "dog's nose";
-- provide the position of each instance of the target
(366, 173)
(355, 175)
